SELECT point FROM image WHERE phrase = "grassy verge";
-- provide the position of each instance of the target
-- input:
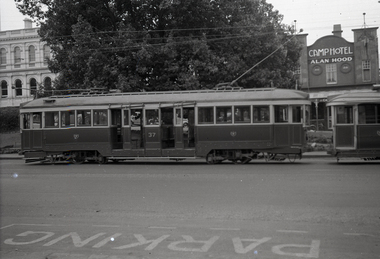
(319, 140)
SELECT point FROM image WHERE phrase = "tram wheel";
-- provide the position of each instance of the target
(103, 160)
(53, 159)
(210, 158)
(292, 158)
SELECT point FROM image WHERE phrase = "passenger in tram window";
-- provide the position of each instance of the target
(152, 117)
(178, 118)
(37, 122)
(238, 113)
(135, 117)
(221, 117)
(26, 121)
(246, 116)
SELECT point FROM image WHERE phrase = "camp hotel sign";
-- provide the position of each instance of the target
(330, 55)
(326, 50)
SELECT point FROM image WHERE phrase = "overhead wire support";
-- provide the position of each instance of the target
(261, 61)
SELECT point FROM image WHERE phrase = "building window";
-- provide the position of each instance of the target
(297, 71)
(18, 88)
(3, 57)
(17, 57)
(366, 65)
(331, 74)
(46, 54)
(4, 89)
(32, 55)
(33, 86)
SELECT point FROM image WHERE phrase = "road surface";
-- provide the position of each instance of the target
(314, 208)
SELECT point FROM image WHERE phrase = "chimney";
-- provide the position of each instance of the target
(27, 23)
(337, 30)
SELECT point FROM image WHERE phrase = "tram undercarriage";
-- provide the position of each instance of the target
(237, 156)
(244, 156)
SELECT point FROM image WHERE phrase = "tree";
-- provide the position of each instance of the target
(164, 45)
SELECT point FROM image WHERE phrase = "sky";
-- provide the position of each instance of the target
(315, 17)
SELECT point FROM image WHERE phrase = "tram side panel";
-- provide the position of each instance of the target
(38, 143)
(77, 139)
(369, 137)
(209, 138)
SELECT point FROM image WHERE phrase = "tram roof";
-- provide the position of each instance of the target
(355, 98)
(174, 97)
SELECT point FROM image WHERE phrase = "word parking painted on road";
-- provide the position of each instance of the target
(185, 244)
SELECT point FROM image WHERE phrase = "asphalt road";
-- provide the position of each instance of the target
(314, 208)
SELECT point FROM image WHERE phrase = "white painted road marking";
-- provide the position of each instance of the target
(292, 231)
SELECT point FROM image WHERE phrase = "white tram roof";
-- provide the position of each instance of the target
(355, 98)
(173, 98)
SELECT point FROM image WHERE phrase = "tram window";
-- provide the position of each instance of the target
(178, 116)
(84, 118)
(261, 114)
(297, 114)
(152, 117)
(100, 118)
(280, 113)
(224, 115)
(136, 117)
(307, 115)
(369, 113)
(51, 119)
(116, 117)
(242, 114)
(25, 120)
(126, 117)
(68, 119)
(206, 115)
(37, 120)
(344, 115)
(167, 116)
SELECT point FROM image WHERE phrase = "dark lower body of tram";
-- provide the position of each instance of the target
(216, 143)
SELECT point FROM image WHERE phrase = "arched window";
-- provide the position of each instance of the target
(47, 85)
(32, 54)
(33, 86)
(18, 84)
(17, 56)
(46, 54)
(4, 89)
(3, 56)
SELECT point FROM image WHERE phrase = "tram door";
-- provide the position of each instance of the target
(137, 133)
(167, 128)
(116, 133)
(183, 132)
(344, 129)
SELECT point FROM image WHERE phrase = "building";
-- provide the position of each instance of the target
(23, 65)
(332, 66)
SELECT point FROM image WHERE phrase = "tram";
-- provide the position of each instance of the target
(237, 125)
(356, 124)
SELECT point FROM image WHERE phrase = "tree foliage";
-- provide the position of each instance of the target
(164, 45)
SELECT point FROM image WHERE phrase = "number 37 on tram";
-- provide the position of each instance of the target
(235, 125)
